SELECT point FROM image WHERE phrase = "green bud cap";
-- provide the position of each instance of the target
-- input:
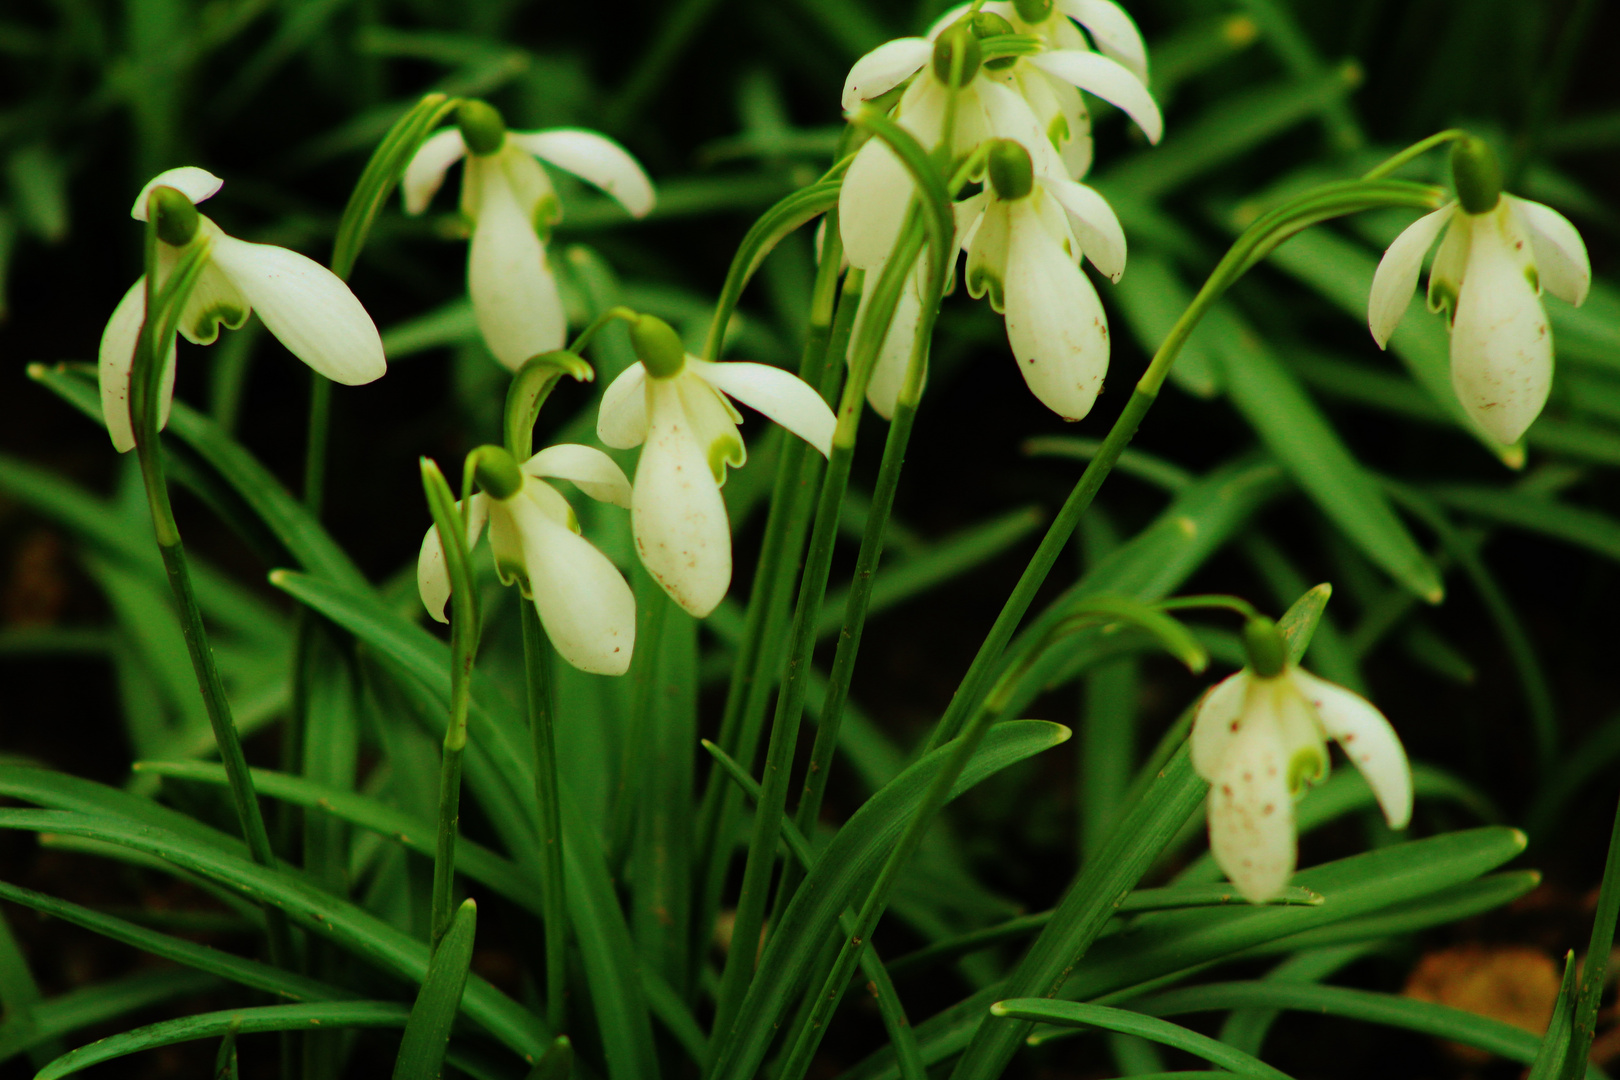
(176, 217)
(1268, 653)
(958, 38)
(658, 346)
(1012, 175)
(481, 126)
(1033, 11)
(1476, 174)
(988, 24)
(497, 472)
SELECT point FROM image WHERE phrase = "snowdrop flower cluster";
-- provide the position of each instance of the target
(512, 206)
(1260, 737)
(307, 307)
(1499, 252)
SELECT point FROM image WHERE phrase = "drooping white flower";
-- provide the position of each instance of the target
(587, 609)
(512, 205)
(676, 404)
(1260, 737)
(307, 307)
(1498, 253)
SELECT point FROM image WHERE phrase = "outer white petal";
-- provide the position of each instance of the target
(1501, 345)
(1367, 739)
(1251, 813)
(780, 395)
(1397, 274)
(884, 68)
(194, 183)
(432, 576)
(425, 174)
(938, 25)
(587, 609)
(621, 422)
(116, 361)
(1561, 260)
(1116, 35)
(307, 307)
(889, 372)
(1109, 80)
(592, 471)
(514, 295)
(872, 204)
(1218, 723)
(1055, 322)
(595, 158)
(1008, 116)
(676, 513)
(1095, 224)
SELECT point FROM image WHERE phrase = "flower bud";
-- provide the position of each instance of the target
(959, 38)
(481, 126)
(1476, 174)
(1012, 175)
(1033, 11)
(176, 217)
(1268, 653)
(657, 346)
(497, 472)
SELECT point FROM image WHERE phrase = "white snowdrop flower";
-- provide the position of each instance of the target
(512, 205)
(307, 307)
(1260, 737)
(587, 609)
(677, 405)
(1498, 253)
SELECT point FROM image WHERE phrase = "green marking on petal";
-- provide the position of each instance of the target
(726, 450)
(980, 280)
(511, 572)
(547, 212)
(1443, 297)
(1058, 130)
(205, 328)
(1307, 766)
(1533, 276)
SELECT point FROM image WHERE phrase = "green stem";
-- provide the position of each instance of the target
(444, 852)
(553, 897)
(1416, 150)
(318, 438)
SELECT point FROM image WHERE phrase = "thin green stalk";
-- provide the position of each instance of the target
(553, 897)
(444, 851)
(319, 437)
(635, 743)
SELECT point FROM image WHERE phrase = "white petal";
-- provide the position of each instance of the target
(1008, 116)
(872, 204)
(307, 307)
(938, 25)
(621, 422)
(115, 364)
(1251, 813)
(194, 183)
(425, 174)
(676, 512)
(587, 609)
(1055, 322)
(514, 295)
(780, 395)
(1218, 724)
(432, 575)
(1397, 274)
(884, 68)
(1501, 345)
(1109, 80)
(1560, 253)
(1449, 265)
(1095, 224)
(889, 371)
(1116, 35)
(595, 158)
(1367, 739)
(592, 471)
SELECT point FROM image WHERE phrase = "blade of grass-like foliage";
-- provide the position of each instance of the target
(61, 791)
(322, 1016)
(1246, 1029)
(54, 1017)
(19, 993)
(427, 1032)
(1281, 30)
(1584, 1021)
(1328, 655)
(1152, 296)
(1589, 529)
(1554, 1057)
(1155, 470)
(1075, 1014)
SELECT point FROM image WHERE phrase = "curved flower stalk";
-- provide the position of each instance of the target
(1498, 253)
(1260, 737)
(307, 307)
(587, 609)
(512, 206)
(677, 404)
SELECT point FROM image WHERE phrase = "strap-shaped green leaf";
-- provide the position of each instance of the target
(427, 1032)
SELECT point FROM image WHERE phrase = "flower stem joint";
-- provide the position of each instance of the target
(1476, 174)
(175, 215)
(482, 127)
(497, 472)
(1011, 172)
(957, 45)
(657, 346)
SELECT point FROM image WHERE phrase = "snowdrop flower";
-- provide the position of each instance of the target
(307, 307)
(1260, 737)
(1498, 253)
(677, 405)
(512, 206)
(587, 609)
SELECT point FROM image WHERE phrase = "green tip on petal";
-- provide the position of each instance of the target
(176, 217)
(497, 471)
(1307, 766)
(482, 127)
(957, 41)
(1477, 176)
(1268, 652)
(657, 346)
(1033, 11)
(1012, 174)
